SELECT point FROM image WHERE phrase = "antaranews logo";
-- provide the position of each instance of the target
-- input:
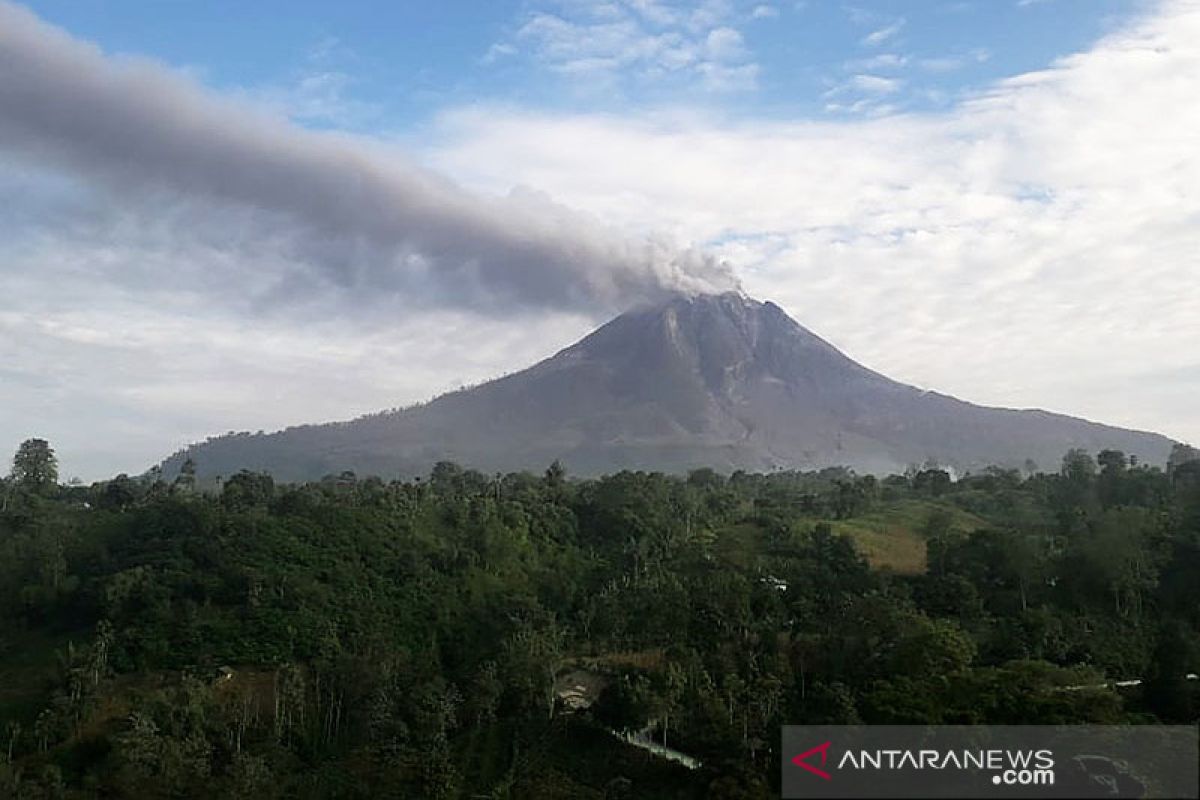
(987, 761)
(802, 760)
(1009, 767)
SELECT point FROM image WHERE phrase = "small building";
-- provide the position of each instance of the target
(578, 689)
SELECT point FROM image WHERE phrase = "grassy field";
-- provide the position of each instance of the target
(892, 537)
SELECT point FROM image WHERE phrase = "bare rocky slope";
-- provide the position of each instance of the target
(721, 381)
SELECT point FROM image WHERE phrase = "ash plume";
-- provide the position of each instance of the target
(350, 209)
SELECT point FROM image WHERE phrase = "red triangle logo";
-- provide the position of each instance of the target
(802, 760)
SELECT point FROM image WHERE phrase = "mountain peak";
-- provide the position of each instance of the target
(730, 302)
(721, 336)
(695, 380)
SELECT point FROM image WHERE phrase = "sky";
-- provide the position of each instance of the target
(232, 216)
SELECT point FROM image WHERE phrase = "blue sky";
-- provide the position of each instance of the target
(243, 216)
(388, 66)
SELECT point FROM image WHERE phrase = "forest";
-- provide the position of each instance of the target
(528, 636)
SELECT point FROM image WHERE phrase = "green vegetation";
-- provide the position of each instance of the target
(357, 638)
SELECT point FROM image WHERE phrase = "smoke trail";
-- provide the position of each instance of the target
(360, 215)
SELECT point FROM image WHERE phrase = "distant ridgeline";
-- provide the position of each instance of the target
(473, 635)
(718, 381)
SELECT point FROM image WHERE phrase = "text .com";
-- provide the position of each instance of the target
(1024, 777)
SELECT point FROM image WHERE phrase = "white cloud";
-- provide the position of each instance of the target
(640, 42)
(955, 62)
(314, 97)
(875, 84)
(719, 77)
(862, 16)
(882, 61)
(1033, 245)
(319, 93)
(860, 95)
(498, 52)
(764, 12)
(881, 35)
(725, 44)
(331, 50)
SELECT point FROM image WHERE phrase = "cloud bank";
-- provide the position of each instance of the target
(348, 215)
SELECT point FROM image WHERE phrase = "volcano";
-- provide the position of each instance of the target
(720, 381)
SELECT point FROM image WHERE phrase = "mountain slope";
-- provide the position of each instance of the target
(717, 380)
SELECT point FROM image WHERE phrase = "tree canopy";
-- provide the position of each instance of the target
(510, 635)
(35, 467)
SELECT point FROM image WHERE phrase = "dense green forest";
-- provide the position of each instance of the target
(487, 636)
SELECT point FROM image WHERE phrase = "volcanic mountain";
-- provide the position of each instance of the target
(717, 381)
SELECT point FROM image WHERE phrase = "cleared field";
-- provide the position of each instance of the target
(893, 537)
